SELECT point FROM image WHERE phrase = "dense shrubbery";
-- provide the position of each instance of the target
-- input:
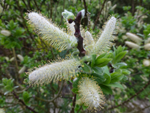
(122, 79)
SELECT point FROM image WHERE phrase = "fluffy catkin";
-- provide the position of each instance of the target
(50, 33)
(90, 93)
(132, 45)
(134, 38)
(55, 71)
(104, 42)
(88, 41)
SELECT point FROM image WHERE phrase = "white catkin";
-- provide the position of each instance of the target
(132, 45)
(104, 42)
(71, 28)
(146, 62)
(20, 57)
(88, 41)
(90, 93)
(55, 71)
(134, 38)
(50, 33)
(147, 46)
(5, 32)
(22, 70)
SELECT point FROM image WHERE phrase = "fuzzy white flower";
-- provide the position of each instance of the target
(68, 15)
(88, 41)
(147, 46)
(134, 38)
(90, 93)
(55, 71)
(113, 7)
(50, 33)
(104, 42)
(20, 57)
(147, 41)
(146, 62)
(71, 28)
(22, 70)
(132, 45)
(83, 13)
(5, 32)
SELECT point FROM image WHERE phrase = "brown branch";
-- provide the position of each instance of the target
(77, 34)
(16, 64)
(146, 85)
(99, 14)
(85, 17)
(74, 103)
(23, 103)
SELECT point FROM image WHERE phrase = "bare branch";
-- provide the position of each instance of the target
(99, 14)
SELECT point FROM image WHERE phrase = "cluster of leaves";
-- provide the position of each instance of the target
(107, 76)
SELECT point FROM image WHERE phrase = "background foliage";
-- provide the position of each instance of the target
(21, 50)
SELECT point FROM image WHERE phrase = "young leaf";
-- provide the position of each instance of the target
(116, 76)
(119, 57)
(98, 77)
(102, 62)
(106, 89)
(116, 84)
(26, 96)
(93, 60)
(86, 68)
(106, 75)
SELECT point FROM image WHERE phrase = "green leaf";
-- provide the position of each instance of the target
(93, 60)
(121, 64)
(75, 83)
(26, 96)
(86, 68)
(116, 84)
(75, 90)
(102, 61)
(116, 76)
(98, 77)
(106, 70)
(125, 72)
(106, 75)
(108, 78)
(106, 89)
(97, 70)
(101, 56)
(119, 57)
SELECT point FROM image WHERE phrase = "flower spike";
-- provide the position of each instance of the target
(55, 71)
(50, 33)
(104, 42)
(90, 93)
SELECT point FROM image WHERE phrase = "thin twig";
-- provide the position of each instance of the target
(146, 85)
(26, 4)
(99, 14)
(54, 97)
(74, 103)
(36, 5)
(16, 64)
(77, 34)
(85, 17)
